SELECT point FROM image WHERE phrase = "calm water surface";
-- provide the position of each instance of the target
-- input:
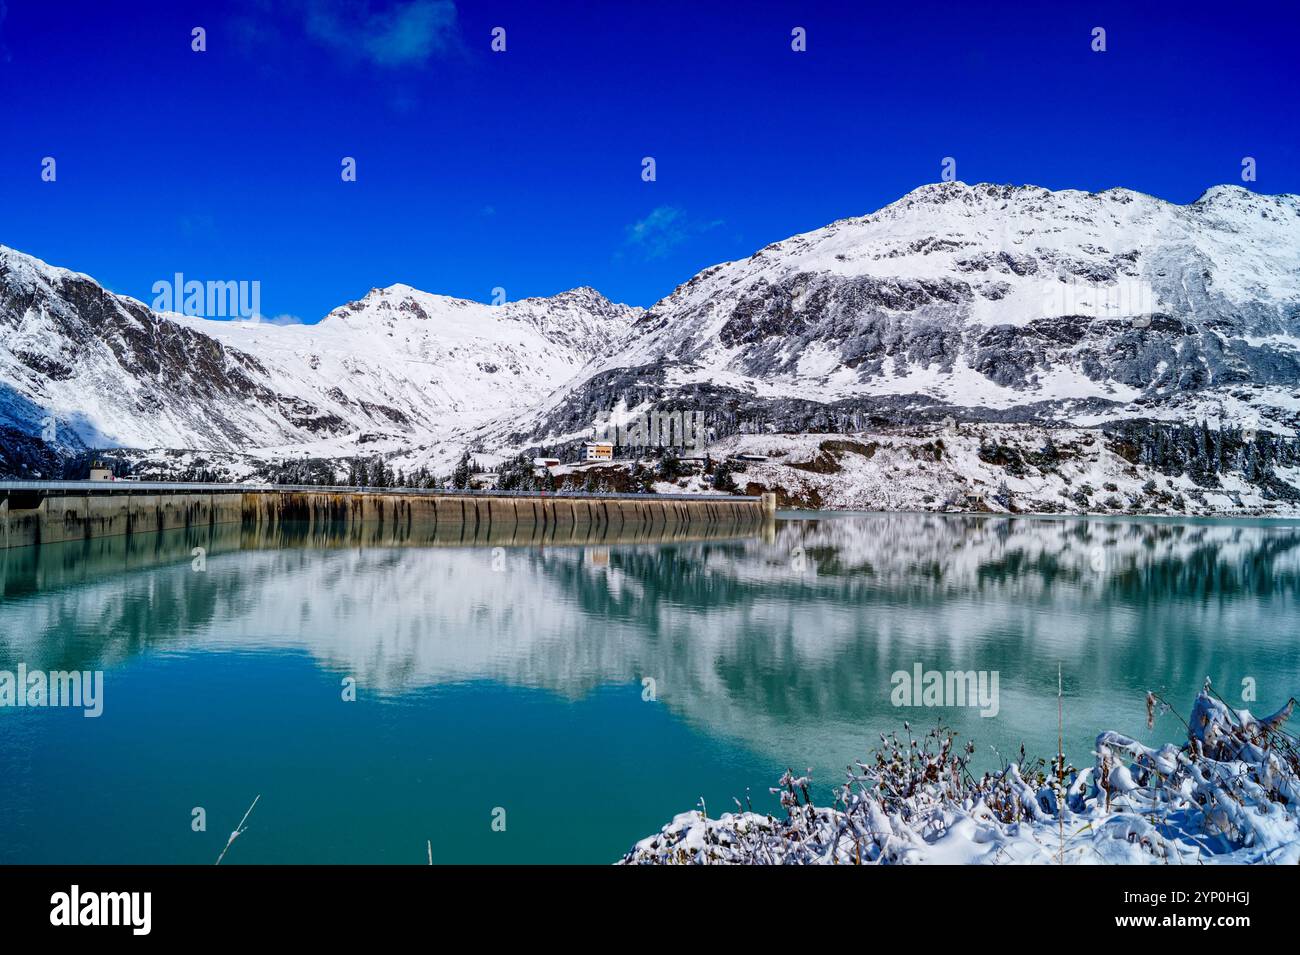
(514, 677)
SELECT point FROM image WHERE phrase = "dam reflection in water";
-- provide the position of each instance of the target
(590, 687)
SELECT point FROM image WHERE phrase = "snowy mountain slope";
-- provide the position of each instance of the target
(106, 370)
(981, 300)
(397, 366)
(419, 365)
(984, 303)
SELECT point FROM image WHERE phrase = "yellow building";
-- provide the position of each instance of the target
(598, 451)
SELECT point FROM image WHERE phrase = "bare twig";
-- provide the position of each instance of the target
(239, 831)
(1060, 764)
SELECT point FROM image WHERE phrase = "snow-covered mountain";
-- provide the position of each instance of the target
(397, 367)
(407, 366)
(980, 301)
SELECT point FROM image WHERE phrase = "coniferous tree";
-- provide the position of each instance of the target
(640, 479)
(519, 474)
(460, 476)
(670, 468)
(723, 479)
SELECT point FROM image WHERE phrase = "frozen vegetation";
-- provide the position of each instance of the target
(1226, 795)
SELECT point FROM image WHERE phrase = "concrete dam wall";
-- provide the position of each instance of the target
(58, 513)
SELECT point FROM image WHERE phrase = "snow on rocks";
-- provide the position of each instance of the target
(1226, 795)
(1000, 468)
(395, 369)
(994, 296)
(985, 302)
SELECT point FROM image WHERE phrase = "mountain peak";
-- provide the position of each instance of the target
(397, 288)
(24, 266)
(581, 291)
(954, 191)
(1225, 192)
(405, 297)
(583, 295)
(958, 190)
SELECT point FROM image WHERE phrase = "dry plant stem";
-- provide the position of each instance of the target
(239, 829)
(1060, 763)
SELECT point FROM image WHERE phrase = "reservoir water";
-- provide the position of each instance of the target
(555, 704)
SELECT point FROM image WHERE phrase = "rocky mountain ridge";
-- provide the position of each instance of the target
(980, 304)
(82, 367)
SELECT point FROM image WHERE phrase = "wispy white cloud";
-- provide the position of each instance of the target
(665, 228)
(386, 33)
(403, 34)
(285, 319)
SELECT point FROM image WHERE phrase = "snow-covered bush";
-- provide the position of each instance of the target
(1228, 794)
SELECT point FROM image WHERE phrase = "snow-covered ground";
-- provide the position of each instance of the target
(952, 468)
(938, 469)
(1225, 796)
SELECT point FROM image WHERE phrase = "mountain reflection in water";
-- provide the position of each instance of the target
(779, 644)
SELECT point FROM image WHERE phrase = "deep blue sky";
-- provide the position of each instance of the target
(523, 169)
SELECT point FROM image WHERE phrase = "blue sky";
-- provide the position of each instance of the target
(522, 169)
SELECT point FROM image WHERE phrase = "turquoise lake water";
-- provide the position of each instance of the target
(510, 683)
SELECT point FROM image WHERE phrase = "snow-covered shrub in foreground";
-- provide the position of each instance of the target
(1228, 795)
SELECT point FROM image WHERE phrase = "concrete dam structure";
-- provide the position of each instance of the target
(34, 513)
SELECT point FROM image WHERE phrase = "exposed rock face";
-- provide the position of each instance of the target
(986, 302)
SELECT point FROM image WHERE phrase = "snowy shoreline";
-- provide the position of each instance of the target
(1227, 795)
(1140, 470)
